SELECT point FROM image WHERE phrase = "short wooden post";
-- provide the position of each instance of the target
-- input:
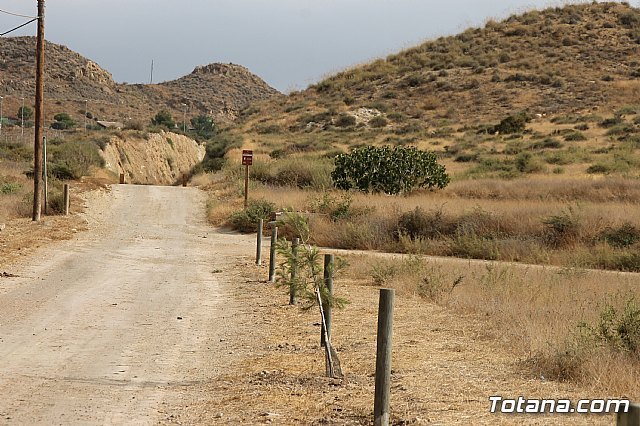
(66, 199)
(121, 178)
(259, 244)
(294, 270)
(630, 418)
(246, 186)
(326, 307)
(185, 180)
(272, 254)
(383, 358)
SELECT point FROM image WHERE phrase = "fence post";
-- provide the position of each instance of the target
(66, 199)
(294, 270)
(121, 178)
(383, 357)
(272, 254)
(259, 244)
(631, 418)
(326, 307)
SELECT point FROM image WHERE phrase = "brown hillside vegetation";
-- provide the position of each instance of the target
(220, 90)
(574, 60)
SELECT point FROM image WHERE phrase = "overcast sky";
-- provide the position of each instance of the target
(289, 43)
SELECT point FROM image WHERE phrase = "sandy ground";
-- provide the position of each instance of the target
(153, 317)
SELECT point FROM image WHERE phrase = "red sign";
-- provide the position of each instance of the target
(247, 157)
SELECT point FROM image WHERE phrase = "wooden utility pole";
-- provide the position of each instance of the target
(37, 163)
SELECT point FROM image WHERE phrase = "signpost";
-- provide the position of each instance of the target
(247, 160)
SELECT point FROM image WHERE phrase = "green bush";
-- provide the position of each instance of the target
(345, 120)
(163, 118)
(389, 170)
(511, 124)
(617, 329)
(63, 122)
(7, 188)
(72, 160)
(623, 236)
(247, 220)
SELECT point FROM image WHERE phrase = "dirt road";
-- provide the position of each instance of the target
(110, 327)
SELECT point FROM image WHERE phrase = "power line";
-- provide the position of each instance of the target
(17, 14)
(18, 27)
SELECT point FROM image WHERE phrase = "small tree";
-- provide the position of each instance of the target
(204, 126)
(63, 122)
(308, 282)
(164, 118)
(388, 170)
(27, 111)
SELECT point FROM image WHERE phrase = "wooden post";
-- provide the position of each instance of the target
(383, 358)
(294, 270)
(39, 119)
(272, 254)
(46, 177)
(259, 245)
(121, 178)
(246, 186)
(185, 180)
(66, 199)
(631, 418)
(326, 307)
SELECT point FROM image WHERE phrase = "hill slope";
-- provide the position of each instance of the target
(556, 61)
(221, 90)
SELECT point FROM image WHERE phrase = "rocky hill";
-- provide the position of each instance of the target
(221, 90)
(562, 60)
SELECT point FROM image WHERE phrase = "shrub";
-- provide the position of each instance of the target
(389, 170)
(63, 122)
(575, 136)
(7, 188)
(163, 118)
(511, 124)
(246, 221)
(623, 236)
(345, 120)
(421, 224)
(72, 160)
(378, 122)
(617, 329)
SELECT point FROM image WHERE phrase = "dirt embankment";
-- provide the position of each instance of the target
(159, 159)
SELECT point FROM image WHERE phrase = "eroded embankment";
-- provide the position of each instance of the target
(156, 159)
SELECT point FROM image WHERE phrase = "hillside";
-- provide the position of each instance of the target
(575, 61)
(221, 90)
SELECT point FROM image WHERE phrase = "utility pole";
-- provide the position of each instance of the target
(184, 119)
(86, 111)
(37, 163)
(22, 114)
(151, 81)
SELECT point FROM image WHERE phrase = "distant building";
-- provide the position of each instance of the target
(110, 124)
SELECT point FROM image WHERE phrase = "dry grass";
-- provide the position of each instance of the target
(564, 227)
(532, 310)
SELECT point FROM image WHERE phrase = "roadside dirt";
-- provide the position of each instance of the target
(154, 317)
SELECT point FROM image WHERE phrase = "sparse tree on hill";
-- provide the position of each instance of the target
(164, 118)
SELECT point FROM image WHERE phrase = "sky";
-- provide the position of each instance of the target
(289, 43)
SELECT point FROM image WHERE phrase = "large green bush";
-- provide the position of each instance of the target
(392, 170)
